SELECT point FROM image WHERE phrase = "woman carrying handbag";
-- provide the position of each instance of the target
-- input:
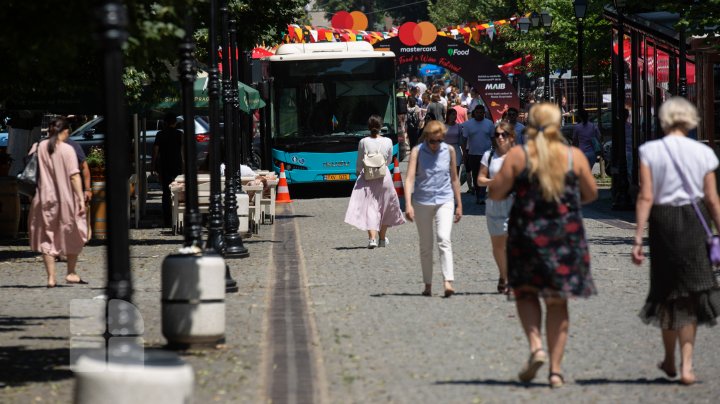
(676, 173)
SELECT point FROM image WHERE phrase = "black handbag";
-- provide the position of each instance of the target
(28, 178)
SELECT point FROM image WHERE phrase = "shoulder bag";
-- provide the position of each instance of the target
(713, 241)
(374, 166)
(28, 178)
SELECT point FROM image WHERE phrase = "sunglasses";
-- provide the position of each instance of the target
(501, 134)
(434, 141)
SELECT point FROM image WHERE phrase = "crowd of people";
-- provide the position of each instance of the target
(536, 182)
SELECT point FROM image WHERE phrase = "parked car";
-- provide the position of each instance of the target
(92, 134)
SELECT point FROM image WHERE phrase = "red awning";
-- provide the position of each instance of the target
(513, 66)
(663, 62)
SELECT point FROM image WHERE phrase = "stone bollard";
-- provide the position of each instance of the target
(159, 377)
(193, 300)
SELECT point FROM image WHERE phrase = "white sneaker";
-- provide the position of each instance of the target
(372, 243)
(384, 242)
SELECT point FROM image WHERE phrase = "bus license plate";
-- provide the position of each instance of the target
(337, 177)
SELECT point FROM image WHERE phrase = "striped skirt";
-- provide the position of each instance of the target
(683, 288)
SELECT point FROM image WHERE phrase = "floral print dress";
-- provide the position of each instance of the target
(547, 250)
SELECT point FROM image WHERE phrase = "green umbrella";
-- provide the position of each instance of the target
(249, 98)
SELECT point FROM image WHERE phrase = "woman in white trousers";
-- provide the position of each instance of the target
(432, 193)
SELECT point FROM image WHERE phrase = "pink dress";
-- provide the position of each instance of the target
(374, 203)
(57, 224)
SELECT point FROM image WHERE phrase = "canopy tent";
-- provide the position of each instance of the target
(513, 66)
(249, 98)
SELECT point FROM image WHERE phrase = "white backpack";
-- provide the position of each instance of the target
(374, 166)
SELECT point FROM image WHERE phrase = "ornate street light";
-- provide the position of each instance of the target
(535, 19)
(580, 10)
(233, 242)
(524, 24)
(215, 240)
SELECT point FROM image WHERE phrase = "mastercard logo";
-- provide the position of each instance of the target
(343, 20)
(412, 34)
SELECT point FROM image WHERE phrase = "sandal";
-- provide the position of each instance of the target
(535, 361)
(556, 383)
(502, 286)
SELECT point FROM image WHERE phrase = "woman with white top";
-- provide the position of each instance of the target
(497, 212)
(683, 290)
(374, 204)
(432, 194)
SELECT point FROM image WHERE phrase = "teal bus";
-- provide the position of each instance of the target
(321, 99)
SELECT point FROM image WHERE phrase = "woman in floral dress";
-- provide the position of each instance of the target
(547, 251)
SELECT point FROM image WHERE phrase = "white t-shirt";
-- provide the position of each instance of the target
(693, 157)
(495, 164)
(369, 144)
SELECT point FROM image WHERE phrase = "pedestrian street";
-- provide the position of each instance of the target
(321, 318)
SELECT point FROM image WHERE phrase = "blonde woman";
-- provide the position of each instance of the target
(497, 212)
(432, 194)
(683, 291)
(547, 250)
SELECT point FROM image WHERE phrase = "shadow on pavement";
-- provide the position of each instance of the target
(20, 366)
(9, 255)
(594, 382)
(493, 382)
(610, 240)
(12, 323)
(156, 241)
(351, 248)
(292, 216)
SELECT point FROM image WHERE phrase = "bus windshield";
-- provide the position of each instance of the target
(333, 98)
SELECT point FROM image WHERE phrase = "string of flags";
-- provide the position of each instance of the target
(347, 28)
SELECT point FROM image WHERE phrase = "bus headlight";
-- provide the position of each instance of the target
(288, 166)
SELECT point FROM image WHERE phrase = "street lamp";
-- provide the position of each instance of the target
(524, 24)
(233, 241)
(580, 10)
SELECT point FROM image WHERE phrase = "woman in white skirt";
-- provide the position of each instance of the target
(432, 190)
(497, 212)
(374, 205)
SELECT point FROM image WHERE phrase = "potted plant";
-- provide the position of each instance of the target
(96, 162)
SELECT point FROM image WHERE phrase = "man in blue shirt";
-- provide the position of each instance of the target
(512, 117)
(477, 139)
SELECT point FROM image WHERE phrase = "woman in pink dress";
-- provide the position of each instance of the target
(57, 222)
(374, 204)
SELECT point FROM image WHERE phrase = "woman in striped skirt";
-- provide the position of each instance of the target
(683, 290)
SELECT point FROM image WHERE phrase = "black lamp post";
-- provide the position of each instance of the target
(187, 71)
(620, 185)
(233, 242)
(547, 23)
(113, 21)
(215, 241)
(580, 10)
(524, 24)
(237, 125)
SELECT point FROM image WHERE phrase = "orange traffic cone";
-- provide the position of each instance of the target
(397, 179)
(283, 193)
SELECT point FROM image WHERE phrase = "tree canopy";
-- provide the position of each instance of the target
(50, 50)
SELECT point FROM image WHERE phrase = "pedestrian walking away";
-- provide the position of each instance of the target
(586, 136)
(167, 162)
(453, 136)
(432, 194)
(547, 251)
(676, 173)
(497, 212)
(374, 204)
(57, 222)
(477, 139)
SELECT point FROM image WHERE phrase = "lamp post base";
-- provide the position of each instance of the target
(234, 247)
(231, 285)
